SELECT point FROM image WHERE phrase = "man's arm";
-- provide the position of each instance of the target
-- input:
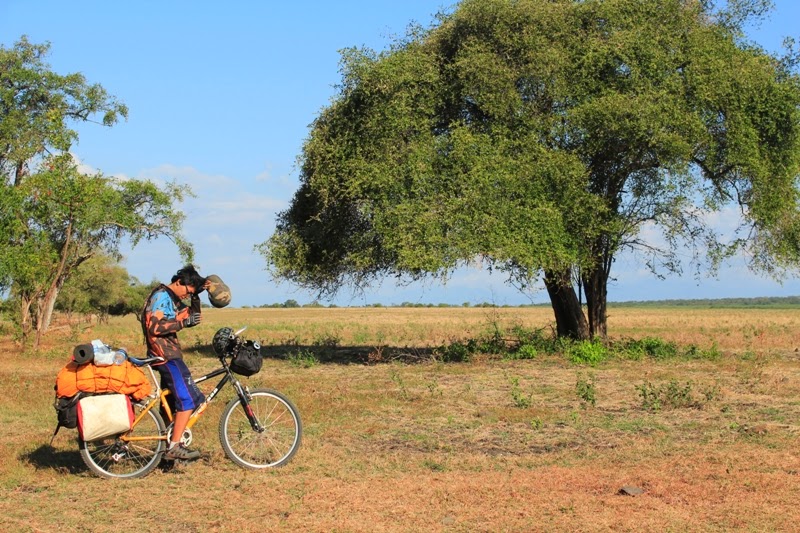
(195, 306)
(161, 317)
(159, 325)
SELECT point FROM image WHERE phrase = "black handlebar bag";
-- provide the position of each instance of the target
(247, 360)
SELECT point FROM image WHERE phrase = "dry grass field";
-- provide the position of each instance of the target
(396, 440)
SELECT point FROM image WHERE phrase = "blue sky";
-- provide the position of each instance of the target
(221, 95)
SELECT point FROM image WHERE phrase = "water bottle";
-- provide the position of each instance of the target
(120, 356)
(100, 348)
(103, 354)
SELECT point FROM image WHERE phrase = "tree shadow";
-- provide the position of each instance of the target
(342, 355)
(48, 457)
(349, 355)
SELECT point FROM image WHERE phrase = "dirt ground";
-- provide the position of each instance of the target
(488, 445)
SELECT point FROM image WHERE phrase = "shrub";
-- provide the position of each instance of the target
(587, 352)
(650, 347)
(525, 351)
(651, 398)
(671, 395)
(455, 352)
(303, 358)
(695, 352)
(586, 390)
(535, 338)
(519, 398)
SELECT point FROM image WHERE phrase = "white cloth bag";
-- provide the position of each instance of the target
(104, 415)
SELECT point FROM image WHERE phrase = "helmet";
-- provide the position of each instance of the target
(222, 341)
(218, 292)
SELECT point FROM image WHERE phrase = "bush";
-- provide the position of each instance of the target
(525, 351)
(536, 339)
(650, 347)
(586, 390)
(670, 395)
(518, 397)
(455, 352)
(695, 352)
(303, 359)
(587, 352)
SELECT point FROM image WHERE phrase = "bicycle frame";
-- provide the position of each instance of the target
(160, 398)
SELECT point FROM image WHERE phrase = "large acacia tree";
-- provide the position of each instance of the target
(53, 217)
(541, 137)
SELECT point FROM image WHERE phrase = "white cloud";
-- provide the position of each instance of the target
(236, 209)
(219, 201)
(188, 175)
(87, 169)
(83, 168)
(214, 238)
(248, 202)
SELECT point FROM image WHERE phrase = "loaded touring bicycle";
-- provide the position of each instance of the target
(258, 428)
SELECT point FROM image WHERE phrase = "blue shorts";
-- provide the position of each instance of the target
(176, 377)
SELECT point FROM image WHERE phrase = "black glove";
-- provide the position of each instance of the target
(192, 321)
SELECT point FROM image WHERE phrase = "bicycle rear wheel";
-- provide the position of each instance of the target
(114, 458)
(272, 447)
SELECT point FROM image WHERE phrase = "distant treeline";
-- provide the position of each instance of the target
(763, 301)
(760, 302)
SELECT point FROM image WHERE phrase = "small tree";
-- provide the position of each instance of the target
(101, 285)
(541, 137)
(53, 217)
(65, 218)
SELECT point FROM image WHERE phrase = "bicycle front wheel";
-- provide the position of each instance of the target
(278, 439)
(113, 457)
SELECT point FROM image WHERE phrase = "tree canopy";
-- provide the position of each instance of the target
(37, 107)
(542, 137)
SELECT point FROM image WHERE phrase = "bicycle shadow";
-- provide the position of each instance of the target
(70, 461)
(49, 457)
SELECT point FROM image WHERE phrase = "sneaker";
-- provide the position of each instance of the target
(179, 452)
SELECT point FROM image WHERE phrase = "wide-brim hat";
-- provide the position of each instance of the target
(218, 293)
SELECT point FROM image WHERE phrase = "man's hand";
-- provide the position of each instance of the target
(192, 321)
(199, 290)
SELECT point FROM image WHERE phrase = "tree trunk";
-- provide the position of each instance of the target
(570, 320)
(48, 301)
(19, 173)
(45, 312)
(25, 302)
(596, 287)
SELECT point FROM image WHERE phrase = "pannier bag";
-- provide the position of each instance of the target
(104, 415)
(247, 360)
(67, 411)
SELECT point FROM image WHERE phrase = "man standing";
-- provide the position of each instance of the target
(163, 316)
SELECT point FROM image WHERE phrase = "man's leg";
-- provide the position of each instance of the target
(177, 450)
(187, 396)
(178, 425)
